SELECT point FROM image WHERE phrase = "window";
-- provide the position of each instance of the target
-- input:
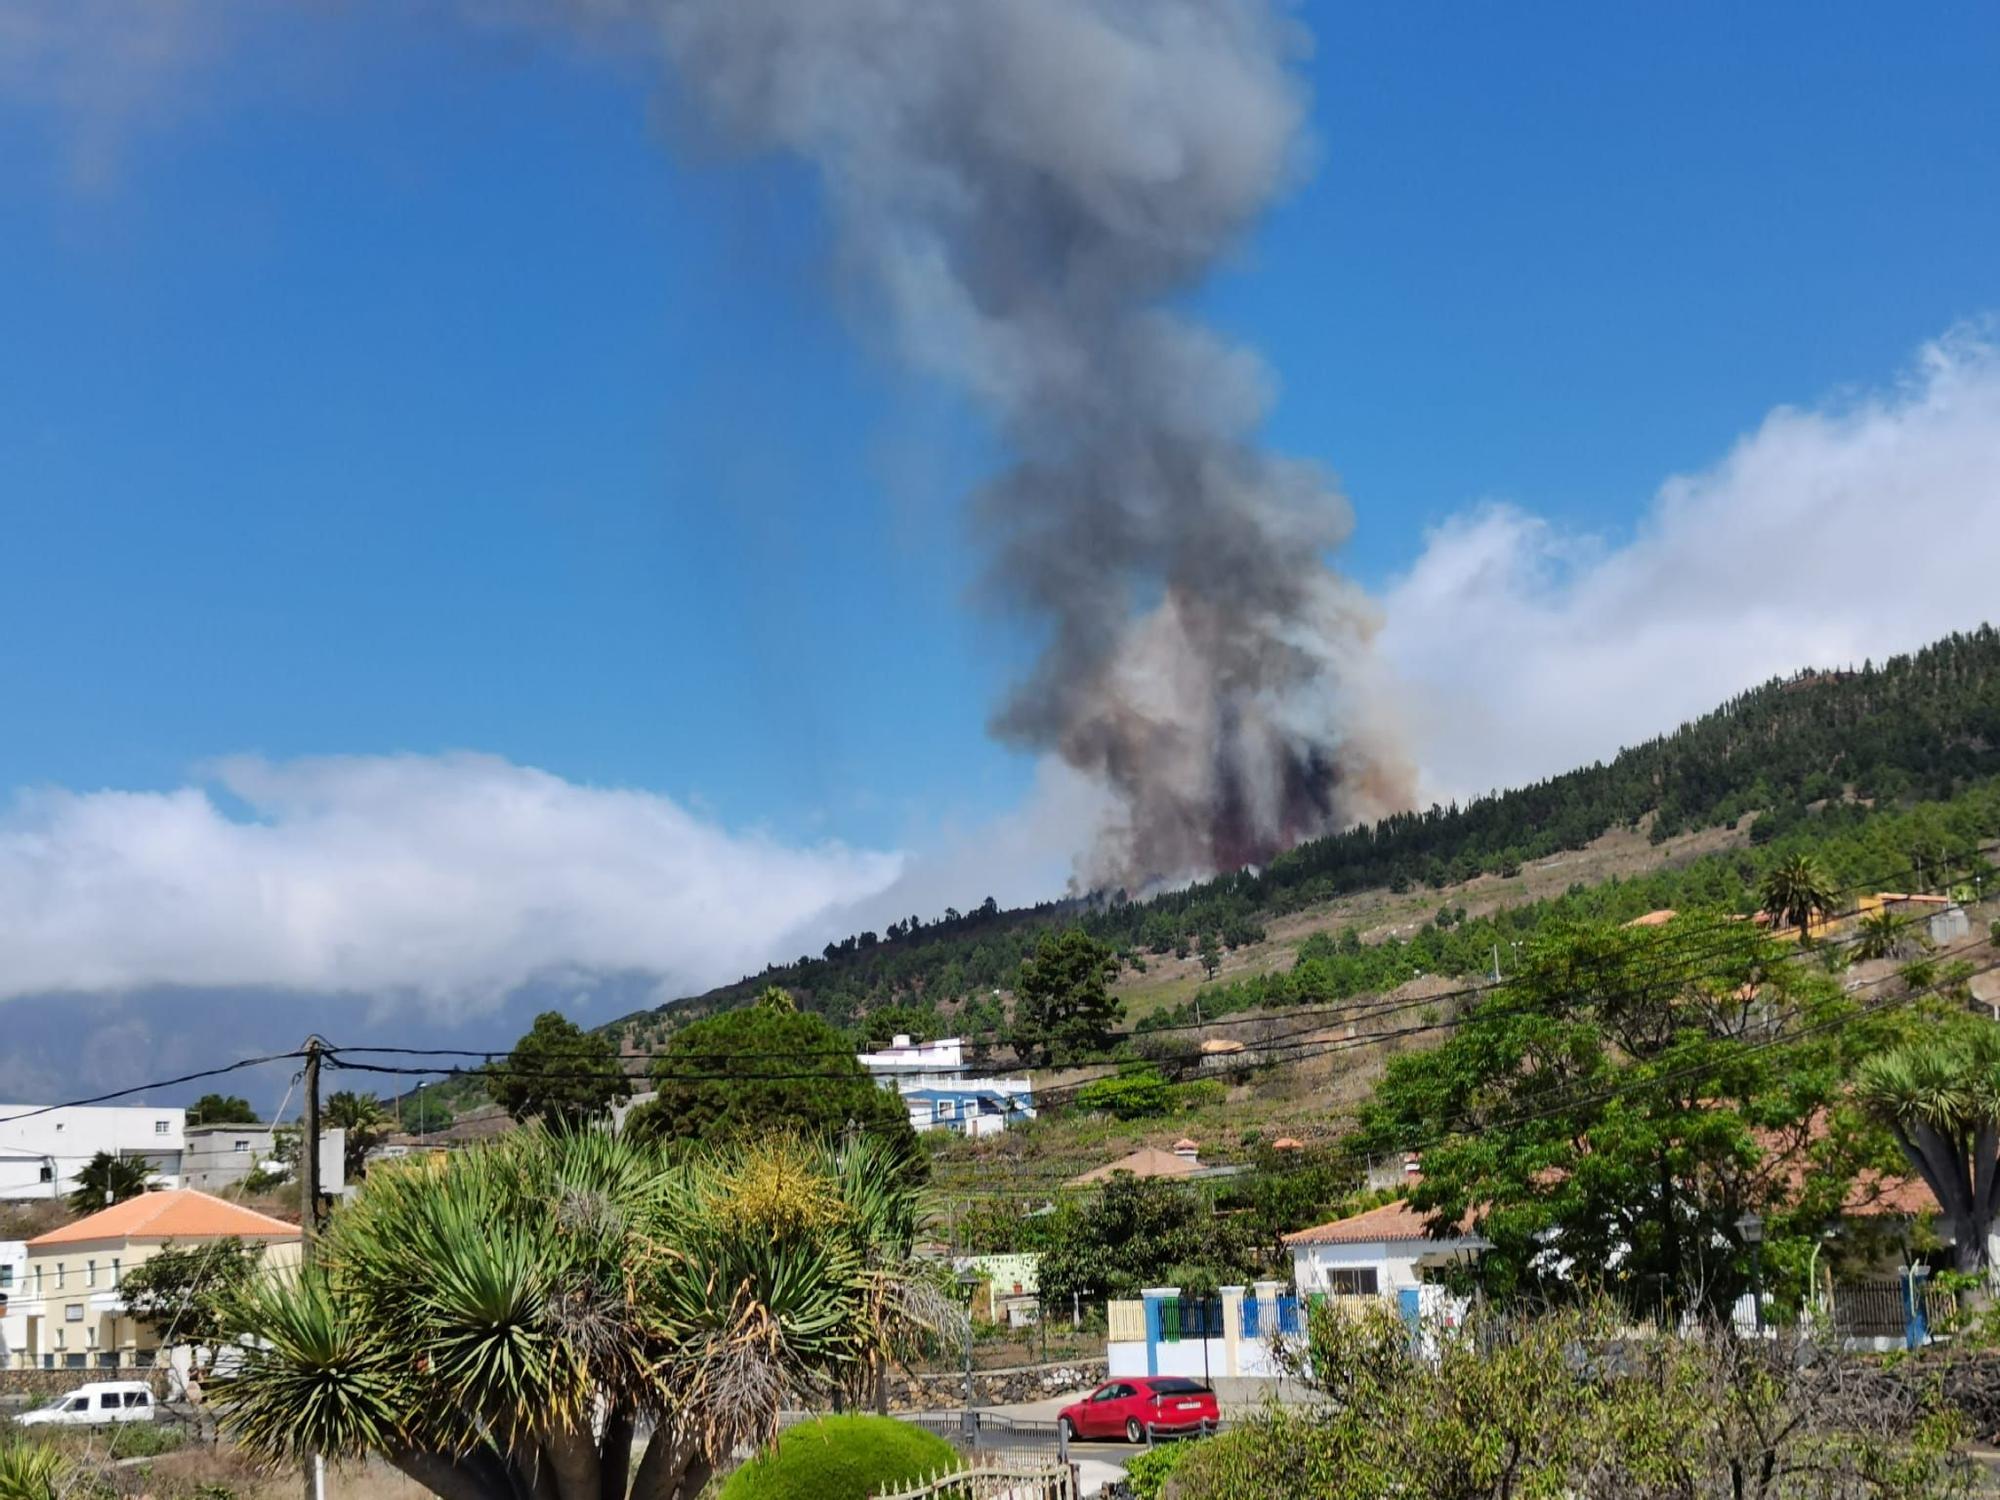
(143, 1358)
(90, 1273)
(61, 1266)
(242, 1145)
(138, 1398)
(6, 1276)
(108, 1361)
(160, 1127)
(75, 1362)
(48, 1173)
(1352, 1281)
(114, 1270)
(73, 1313)
(48, 1361)
(38, 1281)
(108, 1401)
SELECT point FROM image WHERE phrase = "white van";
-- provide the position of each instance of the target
(95, 1404)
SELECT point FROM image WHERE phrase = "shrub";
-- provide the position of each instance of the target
(1134, 1094)
(1573, 1404)
(841, 1458)
(1199, 1092)
(1146, 1474)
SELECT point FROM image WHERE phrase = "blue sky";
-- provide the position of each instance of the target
(376, 384)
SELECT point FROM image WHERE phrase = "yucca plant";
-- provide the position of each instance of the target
(1940, 1098)
(34, 1471)
(501, 1324)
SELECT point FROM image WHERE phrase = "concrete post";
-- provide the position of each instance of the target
(1232, 1329)
(1153, 1296)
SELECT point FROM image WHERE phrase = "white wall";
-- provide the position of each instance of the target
(13, 1279)
(211, 1161)
(63, 1140)
(1394, 1261)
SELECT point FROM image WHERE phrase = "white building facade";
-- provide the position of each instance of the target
(41, 1151)
(934, 1080)
(13, 1286)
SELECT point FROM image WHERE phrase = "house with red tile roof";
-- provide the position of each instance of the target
(1383, 1252)
(71, 1295)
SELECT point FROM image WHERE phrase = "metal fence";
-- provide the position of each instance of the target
(1261, 1318)
(992, 1479)
(980, 1431)
(1885, 1309)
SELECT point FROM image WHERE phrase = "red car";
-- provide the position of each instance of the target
(1126, 1408)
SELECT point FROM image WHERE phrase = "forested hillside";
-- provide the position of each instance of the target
(1914, 727)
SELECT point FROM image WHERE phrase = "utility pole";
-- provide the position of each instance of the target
(309, 1215)
(309, 1153)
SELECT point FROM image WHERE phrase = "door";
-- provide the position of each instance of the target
(1105, 1413)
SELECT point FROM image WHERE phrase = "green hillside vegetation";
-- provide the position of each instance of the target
(1916, 727)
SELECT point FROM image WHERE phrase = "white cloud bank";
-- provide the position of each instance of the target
(450, 879)
(1826, 536)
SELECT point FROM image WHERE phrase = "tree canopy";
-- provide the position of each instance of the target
(766, 1068)
(1063, 1003)
(1939, 1096)
(183, 1292)
(1139, 1232)
(1620, 1103)
(560, 1074)
(221, 1109)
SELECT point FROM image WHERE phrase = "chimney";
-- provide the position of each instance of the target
(1185, 1149)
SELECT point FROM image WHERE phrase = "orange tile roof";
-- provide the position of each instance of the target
(1390, 1222)
(181, 1214)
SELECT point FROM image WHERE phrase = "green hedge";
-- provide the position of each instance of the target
(841, 1458)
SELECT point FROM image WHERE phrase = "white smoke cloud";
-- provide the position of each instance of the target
(452, 880)
(102, 69)
(1854, 530)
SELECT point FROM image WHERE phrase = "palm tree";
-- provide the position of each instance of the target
(500, 1324)
(1883, 935)
(1795, 890)
(360, 1115)
(107, 1179)
(1940, 1098)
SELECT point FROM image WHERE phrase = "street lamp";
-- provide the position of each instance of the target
(968, 1282)
(1751, 1227)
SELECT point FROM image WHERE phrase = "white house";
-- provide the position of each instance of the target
(41, 1151)
(1386, 1252)
(219, 1156)
(934, 1080)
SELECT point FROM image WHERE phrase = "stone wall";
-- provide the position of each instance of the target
(994, 1387)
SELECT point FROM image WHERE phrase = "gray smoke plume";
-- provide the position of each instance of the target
(1024, 186)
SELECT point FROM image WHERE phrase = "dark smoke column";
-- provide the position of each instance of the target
(1021, 187)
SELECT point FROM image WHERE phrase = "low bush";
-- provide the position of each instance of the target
(1572, 1405)
(1146, 1474)
(841, 1458)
